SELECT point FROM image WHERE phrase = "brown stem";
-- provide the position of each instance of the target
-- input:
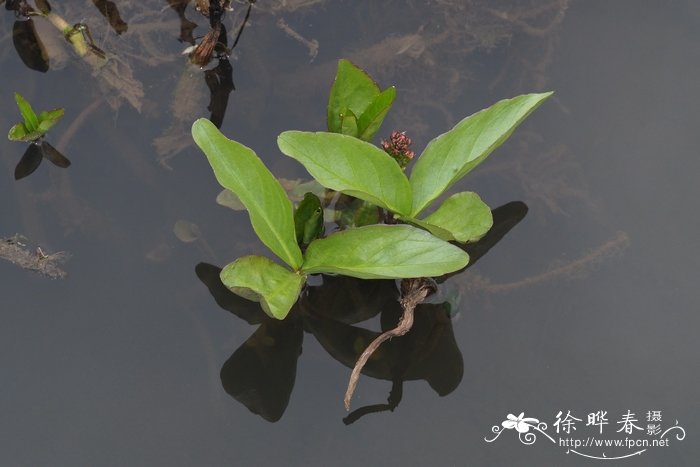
(413, 292)
(204, 51)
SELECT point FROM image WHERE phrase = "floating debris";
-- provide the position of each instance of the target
(229, 199)
(14, 250)
(159, 253)
(186, 231)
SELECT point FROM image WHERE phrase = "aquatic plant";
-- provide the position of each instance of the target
(33, 126)
(342, 160)
(32, 130)
(403, 243)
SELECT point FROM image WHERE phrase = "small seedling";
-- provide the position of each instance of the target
(32, 130)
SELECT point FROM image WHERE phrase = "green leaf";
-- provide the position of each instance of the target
(352, 90)
(239, 169)
(372, 118)
(347, 164)
(439, 232)
(17, 132)
(383, 252)
(262, 280)
(308, 219)
(49, 118)
(349, 123)
(464, 215)
(452, 155)
(22, 131)
(31, 122)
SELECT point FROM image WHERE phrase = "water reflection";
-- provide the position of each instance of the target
(220, 83)
(186, 26)
(189, 93)
(33, 156)
(261, 373)
(428, 352)
(28, 45)
(111, 13)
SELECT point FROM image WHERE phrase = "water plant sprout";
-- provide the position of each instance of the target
(32, 130)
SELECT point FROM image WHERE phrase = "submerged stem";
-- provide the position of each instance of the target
(413, 292)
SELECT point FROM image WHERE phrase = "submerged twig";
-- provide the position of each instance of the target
(560, 6)
(413, 292)
(574, 268)
(312, 45)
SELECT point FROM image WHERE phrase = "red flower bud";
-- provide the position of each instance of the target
(398, 146)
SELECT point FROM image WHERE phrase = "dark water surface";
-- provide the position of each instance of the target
(589, 303)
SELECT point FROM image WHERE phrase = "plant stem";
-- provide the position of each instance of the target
(76, 40)
(413, 292)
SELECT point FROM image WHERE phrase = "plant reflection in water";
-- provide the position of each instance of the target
(261, 373)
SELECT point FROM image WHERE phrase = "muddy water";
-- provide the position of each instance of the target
(588, 302)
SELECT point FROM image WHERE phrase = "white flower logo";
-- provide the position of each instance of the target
(521, 424)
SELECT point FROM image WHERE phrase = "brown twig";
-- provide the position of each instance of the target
(312, 45)
(574, 268)
(413, 292)
(560, 5)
